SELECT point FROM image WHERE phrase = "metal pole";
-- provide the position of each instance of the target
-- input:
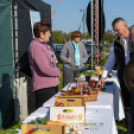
(95, 41)
(102, 41)
(97, 17)
(83, 22)
(92, 34)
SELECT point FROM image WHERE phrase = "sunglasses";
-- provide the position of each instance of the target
(78, 36)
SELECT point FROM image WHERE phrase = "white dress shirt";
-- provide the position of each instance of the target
(111, 58)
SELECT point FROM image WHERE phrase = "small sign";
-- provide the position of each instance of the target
(67, 114)
(92, 127)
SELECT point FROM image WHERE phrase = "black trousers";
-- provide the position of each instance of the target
(42, 95)
(132, 110)
(69, 75)
(126, 98)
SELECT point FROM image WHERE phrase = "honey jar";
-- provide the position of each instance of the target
(73, 90)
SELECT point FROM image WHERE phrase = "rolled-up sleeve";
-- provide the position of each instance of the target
(109, 63)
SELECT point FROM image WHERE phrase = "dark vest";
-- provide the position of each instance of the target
(119, 52)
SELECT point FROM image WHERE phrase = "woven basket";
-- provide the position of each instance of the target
(89, 98)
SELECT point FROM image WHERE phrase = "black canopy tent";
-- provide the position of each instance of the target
(22, 30)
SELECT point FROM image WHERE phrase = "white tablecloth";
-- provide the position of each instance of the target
(100, 115)
(115, 90)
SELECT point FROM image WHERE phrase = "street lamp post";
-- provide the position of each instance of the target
(83, 19)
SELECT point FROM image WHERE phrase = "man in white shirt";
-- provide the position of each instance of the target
(120, 53)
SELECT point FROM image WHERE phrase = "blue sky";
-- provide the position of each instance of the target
(68, 16)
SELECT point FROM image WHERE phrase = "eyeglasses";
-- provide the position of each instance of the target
(78, 36)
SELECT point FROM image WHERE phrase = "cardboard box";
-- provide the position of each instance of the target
(56, 129)
(73, 110)
(73, 101)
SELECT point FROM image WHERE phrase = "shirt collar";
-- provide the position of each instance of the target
(39, 40)
(121, 39)
(75, 44)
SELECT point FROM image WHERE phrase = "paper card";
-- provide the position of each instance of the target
(67, 114)
(92, 127)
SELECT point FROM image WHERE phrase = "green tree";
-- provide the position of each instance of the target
(86, 36)
(68, 36)
(109, 36)
(58, 37)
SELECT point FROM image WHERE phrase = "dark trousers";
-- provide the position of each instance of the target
(126, 98)
(69, 75)
(42, 95)
(132, 110)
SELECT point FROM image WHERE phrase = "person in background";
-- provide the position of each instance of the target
(129, 77)
(73, 55)
(121, 51)
(43, 64)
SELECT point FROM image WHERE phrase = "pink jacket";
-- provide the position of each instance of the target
(40, 63)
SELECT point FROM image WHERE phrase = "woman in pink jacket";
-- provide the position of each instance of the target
(43, 64)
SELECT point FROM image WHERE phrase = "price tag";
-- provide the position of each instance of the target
(92, 127)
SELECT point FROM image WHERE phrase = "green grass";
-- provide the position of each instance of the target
(107, 48)
(60, 86)
(121, 127)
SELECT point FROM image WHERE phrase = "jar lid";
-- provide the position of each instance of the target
(86, 90)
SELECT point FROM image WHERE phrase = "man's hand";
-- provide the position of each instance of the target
(101, 82)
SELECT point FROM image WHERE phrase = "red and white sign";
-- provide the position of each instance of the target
(67, 114)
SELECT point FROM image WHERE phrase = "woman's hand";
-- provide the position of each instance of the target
(56, 78)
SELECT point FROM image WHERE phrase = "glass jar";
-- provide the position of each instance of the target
(110, 74)
(73, 90)
(85, 92)
(87, 78)
(92, 83)
(78, 92)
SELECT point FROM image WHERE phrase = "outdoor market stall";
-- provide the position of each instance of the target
(108, 105)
